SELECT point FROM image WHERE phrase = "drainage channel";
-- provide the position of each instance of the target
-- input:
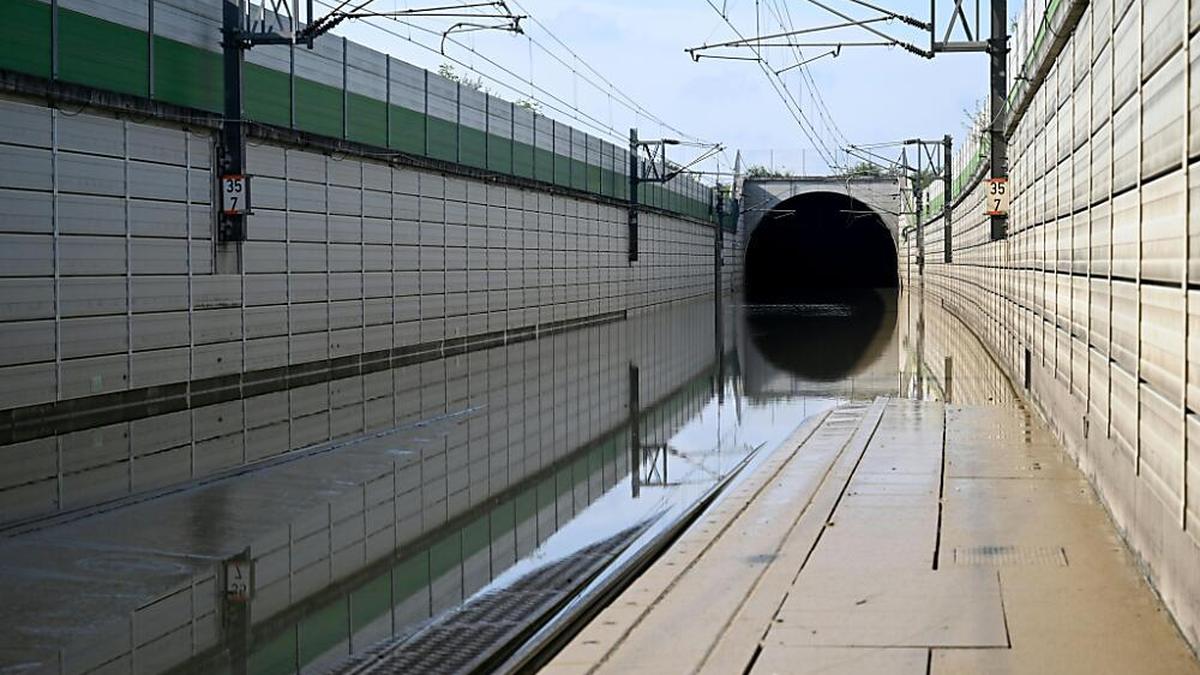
(485, 630)
(521, 624)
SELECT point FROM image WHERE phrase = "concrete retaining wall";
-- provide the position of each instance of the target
(115, 302)
(1096, 283)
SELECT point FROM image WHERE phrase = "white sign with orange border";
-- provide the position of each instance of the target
(235, 194)
(997, 199)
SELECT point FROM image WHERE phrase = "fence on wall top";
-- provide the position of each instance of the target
(169, 51)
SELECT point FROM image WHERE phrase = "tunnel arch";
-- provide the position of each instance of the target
(816, 243)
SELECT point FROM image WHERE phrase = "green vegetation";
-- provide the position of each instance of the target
(447, 71)
(760, 171)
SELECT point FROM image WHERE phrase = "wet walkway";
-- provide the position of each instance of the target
(895, 537)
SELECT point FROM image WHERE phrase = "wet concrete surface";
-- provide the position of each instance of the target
(947, 532)
(504, 461)
(500, 462)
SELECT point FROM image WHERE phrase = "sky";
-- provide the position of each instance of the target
(603, 64)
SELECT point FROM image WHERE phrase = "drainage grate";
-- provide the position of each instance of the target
(1054, 556)
(468, 638)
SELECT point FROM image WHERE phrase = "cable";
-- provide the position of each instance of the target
(822, 109)
(628, 102)
(608, 88)
(786, 95)
(569, 111)
(822, 112)
(587, 120)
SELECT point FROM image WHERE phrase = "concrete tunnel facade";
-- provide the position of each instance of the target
(818, 235)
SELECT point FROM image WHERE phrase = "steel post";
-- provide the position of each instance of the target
(947, 198)
(998, 54)
(918, 196)
(233, 141)
(633, 195)
(635, 433)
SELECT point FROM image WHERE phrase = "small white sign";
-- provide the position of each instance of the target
(997, 197)
(235, 194)
(237, 579)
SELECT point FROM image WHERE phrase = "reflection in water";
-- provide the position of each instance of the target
(695, 427)
(808, 355)
(462, 473)
(825, 336)
(942, 360)
(777, 365)
(841, 344)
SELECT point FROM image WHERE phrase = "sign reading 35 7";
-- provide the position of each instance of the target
(997, 197)
(235, 194)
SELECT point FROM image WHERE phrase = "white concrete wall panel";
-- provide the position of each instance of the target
(1094, 277)
(108, 283)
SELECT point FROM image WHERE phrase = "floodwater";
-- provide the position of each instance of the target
(719, 386)
(493, 463)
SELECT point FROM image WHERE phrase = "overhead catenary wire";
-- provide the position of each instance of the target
(565, 108)
(824, 117)
(822, 110)
(584, 118)
(899, 43)
(782, 16)
(623, 98)
(785, 94)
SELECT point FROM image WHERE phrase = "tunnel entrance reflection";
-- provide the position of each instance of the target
(817, 242)
(825, 336)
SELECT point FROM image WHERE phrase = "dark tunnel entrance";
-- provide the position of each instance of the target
(817, 243)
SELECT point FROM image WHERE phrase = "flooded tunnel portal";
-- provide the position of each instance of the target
(818, 242)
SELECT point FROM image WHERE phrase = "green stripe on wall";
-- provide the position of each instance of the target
(276, 657)
(499, 154)
(565, 487)
(503, 520)
(596, 465)
(472, 147)
(543, 165)
(562, 170)
(407, 129)
(476, 536)
(366, 119)
(184, 75)
(191, 76)
(323, 629)
(578, 175)
(607, 183)
(546, 495)
(370, 602)
(522, 159)
(318, 108)
(582, 469)
(25, 37)
(525, 506)
(594, 182)
(441, 141)
(445, 555)
(610, 452)
(266, 95)
(102, 54)
(411, 576)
